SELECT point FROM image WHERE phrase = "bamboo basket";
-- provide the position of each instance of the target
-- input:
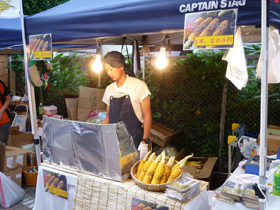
(151, 187)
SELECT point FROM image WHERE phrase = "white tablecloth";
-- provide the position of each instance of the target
(47, 201)
(273, 201)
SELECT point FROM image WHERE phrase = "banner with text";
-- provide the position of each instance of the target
(210, 30)
(55, 183)
(10, 9)
(40, 47)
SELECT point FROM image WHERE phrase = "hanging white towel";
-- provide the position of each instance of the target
(237, 65)
(273, 58)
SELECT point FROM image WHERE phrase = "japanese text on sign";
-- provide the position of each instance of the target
(213, 40)
(58, 192)
(42, 54)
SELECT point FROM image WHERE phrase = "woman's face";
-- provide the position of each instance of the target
(114, 73)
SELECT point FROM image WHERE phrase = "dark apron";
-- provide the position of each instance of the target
(121, 110)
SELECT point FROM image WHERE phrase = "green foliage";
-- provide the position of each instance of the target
(66, 77)
(31, 7)
(186, 97)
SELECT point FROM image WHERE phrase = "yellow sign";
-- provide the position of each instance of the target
(213, 40)
(42, 54)
(58, 192)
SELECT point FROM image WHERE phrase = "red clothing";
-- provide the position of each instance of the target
(4, 91)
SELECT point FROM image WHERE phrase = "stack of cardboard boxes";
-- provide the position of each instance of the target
(89, 99)
(12, 157)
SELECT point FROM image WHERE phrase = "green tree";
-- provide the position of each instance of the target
(31, 7)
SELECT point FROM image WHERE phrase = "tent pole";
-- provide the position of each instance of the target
(30, 88)
(264, 96)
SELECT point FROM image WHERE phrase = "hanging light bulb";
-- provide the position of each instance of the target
(97, 65)
(161, 61)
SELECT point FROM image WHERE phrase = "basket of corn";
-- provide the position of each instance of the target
(154, 173)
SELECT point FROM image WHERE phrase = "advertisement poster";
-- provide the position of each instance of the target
(210, 30)
(55, 183)
(9, 8)
(40, 47)
(137, 204)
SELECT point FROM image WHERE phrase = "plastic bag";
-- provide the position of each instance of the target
(246, 145)
(10, 192)
(96, 116)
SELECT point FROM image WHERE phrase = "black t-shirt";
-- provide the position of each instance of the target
(4, 91)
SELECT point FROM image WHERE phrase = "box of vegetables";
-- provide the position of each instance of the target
(154, 172)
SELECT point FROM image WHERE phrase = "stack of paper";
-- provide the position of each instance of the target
(230, 192)
(249, 199)
(184, 189)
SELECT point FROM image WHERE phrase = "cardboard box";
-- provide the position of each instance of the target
(12, 157)
(207, 168)
(18, 138)
(15, 175)
(161, 135)
(91, 98)
(83, 114)
(273, 139)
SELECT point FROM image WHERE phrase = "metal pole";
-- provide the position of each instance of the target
(30, 88)
(264, 93)
(144, 60)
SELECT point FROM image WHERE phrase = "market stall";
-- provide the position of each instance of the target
(165, 11)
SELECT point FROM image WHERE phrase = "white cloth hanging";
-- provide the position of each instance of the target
(273, 58)
(237, 65)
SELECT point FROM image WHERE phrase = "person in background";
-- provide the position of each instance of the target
(128, 100)
(5, 122)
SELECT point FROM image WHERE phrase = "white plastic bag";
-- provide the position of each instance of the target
(237, 65)
(273, 58)
(10, 192)
(245, 143)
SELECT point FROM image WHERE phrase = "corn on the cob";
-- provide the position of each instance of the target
(55, 182)
(141, 206)
(219, 31)
(150, 172)
(40, 46)
(177, 171)
(45, 46)
(36, 46)
(167, 170)
(146, 166)
(177, 164)
(50, 181)
(32, 44)
(159, 170)
(190, 28)
(210, 28)
(60, 185)
(141, 164)
(46, 178)
(197, 32)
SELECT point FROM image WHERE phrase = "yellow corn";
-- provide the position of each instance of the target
(35, 46)
(55, 182)
(146, 166)
(60, 185)
(150, 172)
(167, 170)
(45, 46)
(219, 31)
(210, 28)
(177, 164)
(190, 28)
(40, 46)
(50, 181)
(200, 28)
(177, 171)
(141, 164)
(159, 170)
